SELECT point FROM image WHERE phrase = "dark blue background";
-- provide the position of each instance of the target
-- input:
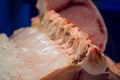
(17, 13)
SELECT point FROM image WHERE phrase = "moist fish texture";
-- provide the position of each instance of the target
(27, 56)
(53, 48)
(82, 13)
(51, 52)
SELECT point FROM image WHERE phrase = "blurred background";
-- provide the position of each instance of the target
(17, 13)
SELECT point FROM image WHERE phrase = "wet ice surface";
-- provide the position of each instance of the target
(29, 55)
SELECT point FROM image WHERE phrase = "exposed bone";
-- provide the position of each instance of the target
(78, 44)
(82, 13)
